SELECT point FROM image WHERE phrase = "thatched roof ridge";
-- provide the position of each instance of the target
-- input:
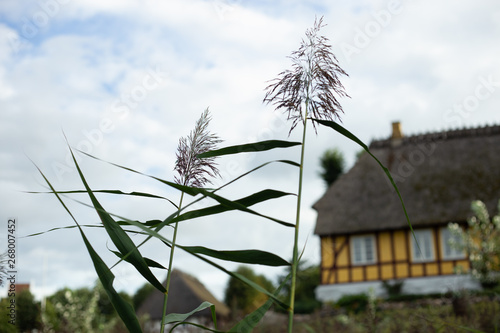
(438, 175)
(443, 135)
(186, 294)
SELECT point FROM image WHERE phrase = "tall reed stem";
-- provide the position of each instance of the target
(169, 273)
(295, 260)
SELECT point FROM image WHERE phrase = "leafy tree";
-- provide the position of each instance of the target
(332, 165)
(28, 312)
(82, 310)
(141, 294)
(482, 243)
(5, 326)
(241, 297)
(308, 278)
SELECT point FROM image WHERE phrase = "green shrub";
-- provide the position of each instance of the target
(355, 303)
(393, 288)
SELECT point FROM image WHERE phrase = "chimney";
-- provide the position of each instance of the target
(396, 131)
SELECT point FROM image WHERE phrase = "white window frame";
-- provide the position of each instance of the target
(425, 240)
(360, 243)
(449, 252)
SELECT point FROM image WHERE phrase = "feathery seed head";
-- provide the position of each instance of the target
(313, 82)
(193, 171)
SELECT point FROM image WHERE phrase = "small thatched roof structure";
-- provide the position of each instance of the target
(186, 294)
(438, 175)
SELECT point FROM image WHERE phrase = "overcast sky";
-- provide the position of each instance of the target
(125, 80)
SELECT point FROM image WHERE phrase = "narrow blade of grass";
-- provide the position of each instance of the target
(196, 325)
(225, 205)
(119, 237)
(150, 223)
(338, 128)
(62, 228)
(124, 309)
(153, 233)
(149, 262)
(241, 256)
(241, 207)
(247, 324)
(250, 147)
(248, 201)
(118, 192)
(186, 189)
(181, 317)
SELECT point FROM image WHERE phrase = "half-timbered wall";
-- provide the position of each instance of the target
(394, 259)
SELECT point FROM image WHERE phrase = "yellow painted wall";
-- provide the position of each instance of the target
(343, 274)
(335, 255)
(387, 272)
(341, 250)
(372, 273)
(327, 252)
(400, 245)
(357, 274)
(401, 271)
(385, 247)
(432, 269)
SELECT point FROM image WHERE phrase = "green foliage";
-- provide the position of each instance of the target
(27, 315)
(332, 165)
(393, 288)
(28, 311)
(241, 297)
(355, 303)
(308, 278)
(141, 294)
(413, 297)
(81, 310)
(5, 326)
(482, 243)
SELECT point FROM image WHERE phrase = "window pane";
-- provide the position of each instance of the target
(423, 250)
(428, 247)
(357, 250)
(417, 247)
(369, 249)
(363, 249)
(451, 252)
(446, 242)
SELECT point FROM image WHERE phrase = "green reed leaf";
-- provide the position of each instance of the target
(62, 228)
(242, 256)
(149, 262)
(248, 201)
(118, 192)
(150, 223)
(250, 147)
(124, 309)
(181, 317)
(196, 325)
(247, 324)
(338, 128)
(155, 234)
(119, 237)
(233, 205)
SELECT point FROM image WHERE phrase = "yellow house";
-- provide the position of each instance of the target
(365, 238)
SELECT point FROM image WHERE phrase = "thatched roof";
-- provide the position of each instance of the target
(186, 294)
(438, 175)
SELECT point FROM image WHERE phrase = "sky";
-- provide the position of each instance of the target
(124, 80)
